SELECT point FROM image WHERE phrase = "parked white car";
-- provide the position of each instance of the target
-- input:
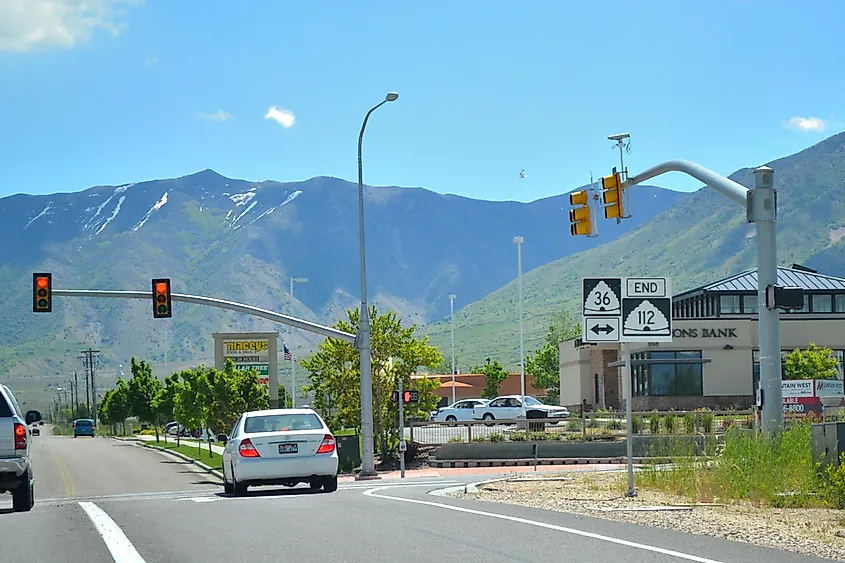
(509, 407)
(459, 410)
(280, 447)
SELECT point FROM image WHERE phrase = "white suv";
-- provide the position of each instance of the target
(15, 465)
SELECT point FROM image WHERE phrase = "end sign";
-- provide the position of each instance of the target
(626, 310)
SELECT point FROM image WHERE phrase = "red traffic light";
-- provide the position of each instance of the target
(407, 396)
(42, 293)
(161, 299)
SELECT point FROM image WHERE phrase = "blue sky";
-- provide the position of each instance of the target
(142, 90)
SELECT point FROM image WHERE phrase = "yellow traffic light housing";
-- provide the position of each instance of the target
(581, 217)
(161, 299)
(612, 196)
(42, 293)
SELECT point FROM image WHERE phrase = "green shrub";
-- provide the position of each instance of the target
(669, 423)
(637, 424)
(573, 426)
(615, 424)
(498, 437)
(456, 440)
(654, 424)
(479, 438)
(518, 436)
(707, 420)
(833, 483)
(689, 423)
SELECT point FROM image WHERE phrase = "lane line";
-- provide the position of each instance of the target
(121, 549)
(374, 494)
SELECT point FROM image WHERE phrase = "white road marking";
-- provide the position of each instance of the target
(374, 493)
(121, 549)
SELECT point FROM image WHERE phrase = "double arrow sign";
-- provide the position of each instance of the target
(607, 328)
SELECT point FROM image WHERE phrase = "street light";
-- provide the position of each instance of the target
(518, 242)
(452, 316)
(368, 453)
(292, 363)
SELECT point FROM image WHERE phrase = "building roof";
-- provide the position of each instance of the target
(804, 278)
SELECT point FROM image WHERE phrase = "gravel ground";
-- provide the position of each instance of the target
(818, 532)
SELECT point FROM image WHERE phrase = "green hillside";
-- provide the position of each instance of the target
(701, 238)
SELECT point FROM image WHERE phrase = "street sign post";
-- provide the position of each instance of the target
(601, 309)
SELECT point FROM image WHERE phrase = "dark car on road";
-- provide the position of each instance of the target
(83, 427)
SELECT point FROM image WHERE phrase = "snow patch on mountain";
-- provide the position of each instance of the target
(158, 205)
(112, 216)
(43, 212)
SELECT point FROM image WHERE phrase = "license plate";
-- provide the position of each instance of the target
(288, 448)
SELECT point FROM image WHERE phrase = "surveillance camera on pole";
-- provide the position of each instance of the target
(619, 137)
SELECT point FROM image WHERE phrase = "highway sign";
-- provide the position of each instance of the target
(602, 297)
(600, 329)
(601, 309)
(647, 310)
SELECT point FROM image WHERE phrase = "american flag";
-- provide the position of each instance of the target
(288, 355)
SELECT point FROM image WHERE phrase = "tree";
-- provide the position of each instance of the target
(814, 362)
(396, 353)
(494, 375)
(545, 364)
(114, 407)
(164, 402)
(190, 404)
(143, 390)
(445, 366)
(233, 392)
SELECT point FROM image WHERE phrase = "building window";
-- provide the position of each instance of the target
(749, 304)
(729, 304)
(822, 303)
(839, 303)
(667, 379)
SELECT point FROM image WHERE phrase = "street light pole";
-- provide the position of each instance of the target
(363, 340)
(518, 241)
(452, 317)
(292, 362)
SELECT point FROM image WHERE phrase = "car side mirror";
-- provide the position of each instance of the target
(32, 416)
(222, 438)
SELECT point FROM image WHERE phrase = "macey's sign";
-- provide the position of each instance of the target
(247, 351)
(704, 333)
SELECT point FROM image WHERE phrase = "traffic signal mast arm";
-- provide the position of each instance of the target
(220, 303)
(724, 186)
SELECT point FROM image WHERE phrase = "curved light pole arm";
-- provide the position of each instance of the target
(725, 186)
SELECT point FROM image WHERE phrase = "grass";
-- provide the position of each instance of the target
(749, 467)
(211, 459)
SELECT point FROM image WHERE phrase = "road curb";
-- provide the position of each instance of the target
(182, 456)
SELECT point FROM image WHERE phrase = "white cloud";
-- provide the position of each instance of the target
(218, 115)
(283, 117)
(805, 124)
(27, 25)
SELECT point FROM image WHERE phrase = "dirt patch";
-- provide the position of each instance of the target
(819, 532)
(836, 235)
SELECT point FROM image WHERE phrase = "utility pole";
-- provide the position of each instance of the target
(76, 386)
(90, 358)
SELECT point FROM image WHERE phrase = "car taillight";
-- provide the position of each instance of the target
(246, 449)
(20, 436)
(327, 446)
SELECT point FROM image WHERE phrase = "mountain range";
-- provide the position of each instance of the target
(243, 240)
(701, 238)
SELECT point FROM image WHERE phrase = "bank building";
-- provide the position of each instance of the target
(715, 322)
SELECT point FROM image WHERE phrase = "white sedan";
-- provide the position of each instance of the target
(459, 410)
(280, 447)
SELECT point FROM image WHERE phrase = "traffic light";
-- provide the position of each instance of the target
(581, 217)
(42, 293)
(612, 196)
(161, 299)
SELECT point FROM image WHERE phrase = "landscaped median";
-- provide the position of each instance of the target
(752, 489)
(199, 456)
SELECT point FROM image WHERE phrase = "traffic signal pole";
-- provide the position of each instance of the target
(302, 324)
(761, 209)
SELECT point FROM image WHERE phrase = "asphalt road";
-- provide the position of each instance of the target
(99, 500)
